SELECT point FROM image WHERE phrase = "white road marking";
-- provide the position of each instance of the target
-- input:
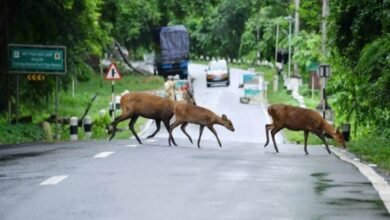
(132, 145)
(235, 175)
(54, 180)
(103, 154)
(150, 140)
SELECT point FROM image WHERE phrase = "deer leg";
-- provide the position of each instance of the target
(158, 123)
(115, 122)
(267, 127)
(273, 132)
(215, 134)
(131, 126)
(306, 135)
(321, 136)
(183, 128)
(166, 124)
(200, 134)
(173, 126)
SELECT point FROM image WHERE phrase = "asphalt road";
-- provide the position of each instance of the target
(242, 180)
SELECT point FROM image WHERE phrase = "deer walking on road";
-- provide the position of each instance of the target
(300, 119)
(187, 113)
(149, 106)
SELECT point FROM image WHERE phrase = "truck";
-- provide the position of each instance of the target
(171, 48)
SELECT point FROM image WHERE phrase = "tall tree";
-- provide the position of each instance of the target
(72, 23)
(360, 58)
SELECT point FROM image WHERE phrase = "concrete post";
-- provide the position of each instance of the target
(117, 102)
(73, 128)
(88, 126)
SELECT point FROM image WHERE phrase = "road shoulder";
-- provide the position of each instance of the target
(379, 183)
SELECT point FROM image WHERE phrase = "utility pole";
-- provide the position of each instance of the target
(277, 41)
(296, 31)
(325, 14)
(7, 77)
(257, 39)
(289, 18)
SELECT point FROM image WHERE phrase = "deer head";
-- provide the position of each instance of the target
(339, 138)
(227, 123)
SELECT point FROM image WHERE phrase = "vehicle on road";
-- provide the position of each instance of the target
(171, 47)
(217, 73)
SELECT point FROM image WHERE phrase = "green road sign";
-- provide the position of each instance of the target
(37, 58)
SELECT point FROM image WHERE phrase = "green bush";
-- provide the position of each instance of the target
(20, 133)
(99, 126)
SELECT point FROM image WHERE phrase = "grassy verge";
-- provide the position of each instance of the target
(70, 105)
(372, 149)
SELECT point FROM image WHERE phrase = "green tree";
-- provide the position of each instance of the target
(360, 59)
(72, 23)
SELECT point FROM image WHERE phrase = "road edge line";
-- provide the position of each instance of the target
(379, 183)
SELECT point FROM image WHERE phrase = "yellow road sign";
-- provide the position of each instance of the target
(35, 77)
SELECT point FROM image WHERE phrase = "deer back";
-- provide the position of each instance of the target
(147, 105)
(295, 118)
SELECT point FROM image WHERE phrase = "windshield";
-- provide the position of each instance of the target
(218, 65)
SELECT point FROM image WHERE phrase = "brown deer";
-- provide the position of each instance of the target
(187, 113)
(149, 106)
(300, 119)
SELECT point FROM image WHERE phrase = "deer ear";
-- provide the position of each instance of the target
(224, 117)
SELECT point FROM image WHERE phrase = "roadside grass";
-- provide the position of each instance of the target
(76, 105)
(372, 149)
(20, 133)
(297, 137)
(311, 98)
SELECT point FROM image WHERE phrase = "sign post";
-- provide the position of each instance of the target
(32, 59)
(113, 74)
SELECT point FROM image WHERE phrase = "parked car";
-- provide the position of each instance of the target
(217, 73)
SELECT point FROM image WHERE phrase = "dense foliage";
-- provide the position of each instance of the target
(361, 64)
(74, 24)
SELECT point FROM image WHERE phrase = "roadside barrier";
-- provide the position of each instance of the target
(111, 109)
(117, 102)
(88, 127)
(73, 128)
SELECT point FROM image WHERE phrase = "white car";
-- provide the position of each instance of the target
(217, 73)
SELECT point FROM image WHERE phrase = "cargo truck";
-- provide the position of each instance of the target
(171, 47)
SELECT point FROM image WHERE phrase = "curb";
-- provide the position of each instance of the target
(377, 181)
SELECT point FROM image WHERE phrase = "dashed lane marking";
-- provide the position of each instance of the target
(54, 180)
(132, 145)
(103, 154)
(150, 140)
